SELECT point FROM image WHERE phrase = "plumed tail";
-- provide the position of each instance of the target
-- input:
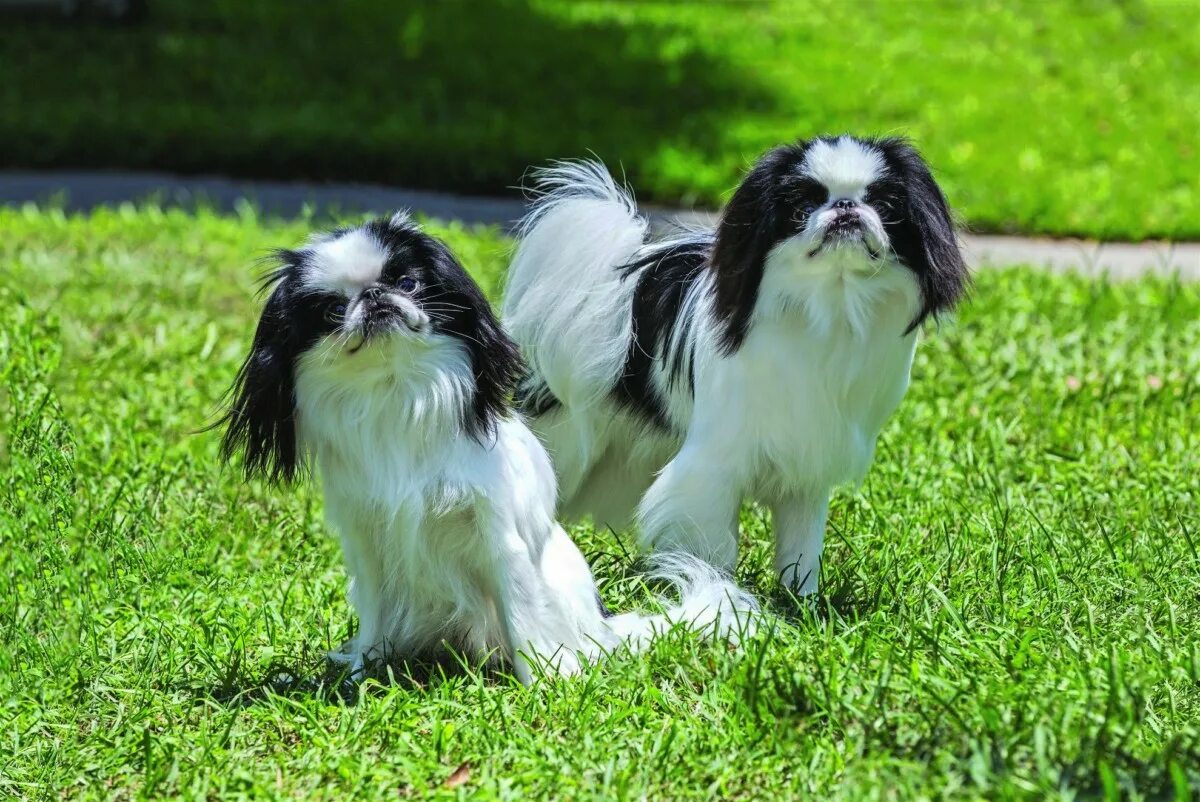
(709, 603)
(567, 302)
(563, 182)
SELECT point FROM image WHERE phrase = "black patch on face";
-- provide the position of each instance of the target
(887, 197)
(260, 420)
(667, 274)
(800, 195)
(775, 201)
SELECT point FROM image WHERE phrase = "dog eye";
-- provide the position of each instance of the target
(882, 197)
(336, 312)
(407, 284)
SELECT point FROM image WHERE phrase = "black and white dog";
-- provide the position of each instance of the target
(672, 378)
(378, 360)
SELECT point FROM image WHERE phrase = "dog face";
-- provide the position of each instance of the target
(849, 203)
(352, 303)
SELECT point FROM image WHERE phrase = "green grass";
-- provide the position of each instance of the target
(1063, 118)
(1010, 601)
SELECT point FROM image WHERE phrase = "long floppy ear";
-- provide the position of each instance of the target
(261, 419)
(495, 359)
(498, 367)
(749, 228)
(930, 245)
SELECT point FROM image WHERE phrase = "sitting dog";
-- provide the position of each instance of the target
(378, 361)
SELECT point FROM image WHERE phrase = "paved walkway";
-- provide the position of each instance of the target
(82, 191)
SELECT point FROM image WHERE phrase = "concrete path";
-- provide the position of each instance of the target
(82, 191)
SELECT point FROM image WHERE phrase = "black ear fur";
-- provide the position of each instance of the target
(498, 367)
(260, 422)
(750, 225)
(495, 359)
(754, 221)
(926, 240)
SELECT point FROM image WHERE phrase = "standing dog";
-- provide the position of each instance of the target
(675, 377)
(378, 360)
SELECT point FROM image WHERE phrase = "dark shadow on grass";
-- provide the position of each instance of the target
(456, 94)
(843, 594)
(334, 683)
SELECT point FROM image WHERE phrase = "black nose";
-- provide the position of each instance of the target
(844, 203)
(372, 293)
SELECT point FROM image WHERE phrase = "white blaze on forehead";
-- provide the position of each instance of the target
(345, 264)
(845, 166)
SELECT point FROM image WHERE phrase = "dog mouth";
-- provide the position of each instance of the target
(844, 230)
(383, 320)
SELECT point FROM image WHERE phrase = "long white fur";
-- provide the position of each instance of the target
(449, 539)
(793, 413)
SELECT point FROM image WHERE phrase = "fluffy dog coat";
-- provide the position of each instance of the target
(378, 360)
(672, 378)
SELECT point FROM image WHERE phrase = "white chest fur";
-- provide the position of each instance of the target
(402, 485)
(825, 363)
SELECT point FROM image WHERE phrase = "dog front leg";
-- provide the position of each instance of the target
(365, 594)
(693, 505)
(799, 521)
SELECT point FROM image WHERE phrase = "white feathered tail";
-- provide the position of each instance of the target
(569, 306)
(709, 603)
(564, 289)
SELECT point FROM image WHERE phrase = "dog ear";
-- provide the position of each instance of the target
(927, 241)
(749, 228)
(495, 359)
(261, 419)
(498, 367)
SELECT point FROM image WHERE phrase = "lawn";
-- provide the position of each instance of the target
(1010, 602)
(1061, 118)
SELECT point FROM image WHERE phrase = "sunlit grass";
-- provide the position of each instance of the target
(1010, 599)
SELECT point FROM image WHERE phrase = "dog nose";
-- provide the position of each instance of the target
(842, 204)
(372, 293)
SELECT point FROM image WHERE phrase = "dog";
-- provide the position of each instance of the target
(673, 377)
(378, 362)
